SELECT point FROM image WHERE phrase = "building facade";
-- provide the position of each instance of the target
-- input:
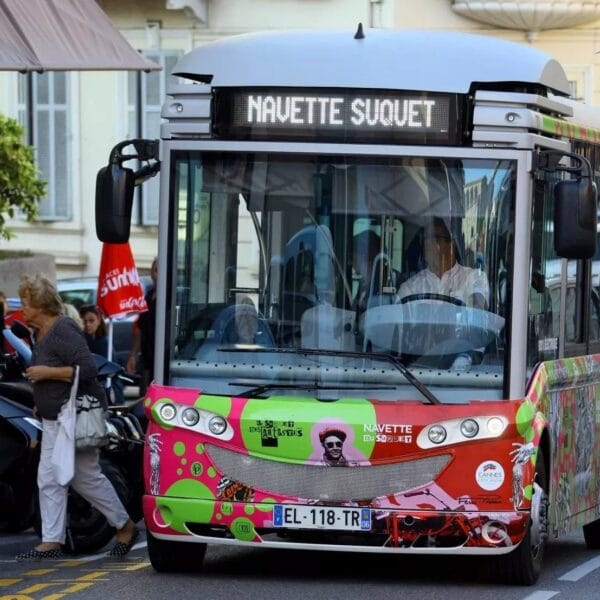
(74, 119)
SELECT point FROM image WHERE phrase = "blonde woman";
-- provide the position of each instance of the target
(73, 313)
(59, 347)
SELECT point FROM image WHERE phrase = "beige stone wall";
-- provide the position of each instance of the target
(11, 270)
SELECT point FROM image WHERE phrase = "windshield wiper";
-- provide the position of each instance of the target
(259, 389)
(390, 358)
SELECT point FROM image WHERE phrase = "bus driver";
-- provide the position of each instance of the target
(444, 274)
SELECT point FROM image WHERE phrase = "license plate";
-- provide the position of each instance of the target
(322, 517)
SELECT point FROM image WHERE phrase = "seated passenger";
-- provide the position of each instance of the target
(241, 324)
(444, 274)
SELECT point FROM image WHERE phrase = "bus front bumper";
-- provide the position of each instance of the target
(381, 530)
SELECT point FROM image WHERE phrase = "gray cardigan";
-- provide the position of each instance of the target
(64, 345)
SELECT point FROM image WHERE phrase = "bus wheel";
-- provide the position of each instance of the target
(524, 564)
(591, 534)
(175, 557)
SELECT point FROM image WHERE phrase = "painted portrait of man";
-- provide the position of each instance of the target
(332, 441)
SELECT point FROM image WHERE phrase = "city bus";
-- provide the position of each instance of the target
(311, 391)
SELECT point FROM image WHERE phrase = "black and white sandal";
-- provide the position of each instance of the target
(34, 555)
(121, 549)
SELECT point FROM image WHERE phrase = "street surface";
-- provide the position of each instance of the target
(571, 572)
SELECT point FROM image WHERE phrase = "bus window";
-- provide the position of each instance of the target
(333, 253)
(594, 325)
(544, 293)
(574, 331)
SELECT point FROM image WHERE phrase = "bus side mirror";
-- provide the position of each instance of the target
(575, 218)
(114, 198)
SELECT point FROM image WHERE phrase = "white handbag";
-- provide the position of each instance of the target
(63, 453)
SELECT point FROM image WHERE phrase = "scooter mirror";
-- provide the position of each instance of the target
(22, 331)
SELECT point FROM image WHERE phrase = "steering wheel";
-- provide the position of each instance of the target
(431, 296)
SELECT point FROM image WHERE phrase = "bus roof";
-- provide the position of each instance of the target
(383, 59)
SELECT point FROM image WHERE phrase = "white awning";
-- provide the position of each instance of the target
(61, 35)
(529, 15)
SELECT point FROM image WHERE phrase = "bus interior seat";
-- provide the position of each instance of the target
(385, 281)
(274, 287)
(414, 257)
(328, 328)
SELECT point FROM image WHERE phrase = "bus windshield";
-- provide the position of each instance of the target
(321, 275)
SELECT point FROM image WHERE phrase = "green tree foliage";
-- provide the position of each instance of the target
(20, 187)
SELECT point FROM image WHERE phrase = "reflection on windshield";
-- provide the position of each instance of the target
(400, 257)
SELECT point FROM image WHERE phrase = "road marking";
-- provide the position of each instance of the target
(541, 595)
(582, 570)
(116, 567)
(77, 587)
(73, 585)
(36, 587)
(89, 578)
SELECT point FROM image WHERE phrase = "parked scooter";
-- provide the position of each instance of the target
(20, 438)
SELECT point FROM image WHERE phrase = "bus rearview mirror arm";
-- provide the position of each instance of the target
(145, 150)
(549, 161)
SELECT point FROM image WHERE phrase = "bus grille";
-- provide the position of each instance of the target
(326, 483)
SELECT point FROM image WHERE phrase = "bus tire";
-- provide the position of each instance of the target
(175, 557)
(591, 534)
(524, 564)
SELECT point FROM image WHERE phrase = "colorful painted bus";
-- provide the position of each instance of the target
(377, 322)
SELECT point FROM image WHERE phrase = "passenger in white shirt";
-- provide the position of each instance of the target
(444, 274)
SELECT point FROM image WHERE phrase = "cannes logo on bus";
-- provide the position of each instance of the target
(489, 475)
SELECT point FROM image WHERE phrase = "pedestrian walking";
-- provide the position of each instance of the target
(60, 347)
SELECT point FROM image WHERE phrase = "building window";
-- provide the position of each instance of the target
(573, 84)
(580, 82)
(43, 111)
(146, 92)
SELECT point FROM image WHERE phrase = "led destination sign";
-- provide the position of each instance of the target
(333, 114)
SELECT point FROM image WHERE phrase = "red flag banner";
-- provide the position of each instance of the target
(120, 290)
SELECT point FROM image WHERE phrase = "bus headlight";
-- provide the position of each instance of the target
(167, 412)
(469, 428)
(495, 426)
(462, 430)
(190, 417)
(437, 434)
(217, 425)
